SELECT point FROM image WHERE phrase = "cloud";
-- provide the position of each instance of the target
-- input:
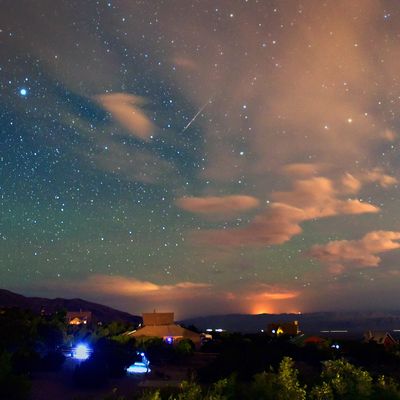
(136, 295)
(378, 176)
(125, 108)
(223, 205)
(351, 184)
(303, 170)
(123, 286)
(340, 254)
(185, 63)
(389, 135)
(309, 199)
(318, 198)
(264, 298)
(306, 89)
(133, 164)
(279, 295)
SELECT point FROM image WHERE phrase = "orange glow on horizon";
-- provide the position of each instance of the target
(267, 309)
(262, 309)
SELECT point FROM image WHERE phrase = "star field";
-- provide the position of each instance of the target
(201, 156)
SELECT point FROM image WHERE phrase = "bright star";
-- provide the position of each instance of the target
(23, 92)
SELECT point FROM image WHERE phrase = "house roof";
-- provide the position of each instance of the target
(79, 314)
(155, 318)
(171, 330)
(380, 337)
(314, 340)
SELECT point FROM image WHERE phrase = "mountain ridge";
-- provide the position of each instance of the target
(315, 322)
(101, 312)
(351, 321)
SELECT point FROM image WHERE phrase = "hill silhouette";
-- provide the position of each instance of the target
(101, 312)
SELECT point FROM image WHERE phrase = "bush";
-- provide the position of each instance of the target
(342, 380)
(91, 373)
(52, 361)
(12, 385)
(115, 355)
(185, 348)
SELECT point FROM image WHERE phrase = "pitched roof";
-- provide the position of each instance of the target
(379, 337)
(171, 330)
(79, 314)
(155, 318)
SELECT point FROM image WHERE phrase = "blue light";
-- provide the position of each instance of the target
(169, 339)
(140, 367)
(23, 92)
(81, 352)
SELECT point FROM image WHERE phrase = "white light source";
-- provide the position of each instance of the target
(81, 352)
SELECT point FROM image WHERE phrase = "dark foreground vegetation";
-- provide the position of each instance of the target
(248, 367)
(339, 380)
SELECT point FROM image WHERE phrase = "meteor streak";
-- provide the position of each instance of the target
(209, 101)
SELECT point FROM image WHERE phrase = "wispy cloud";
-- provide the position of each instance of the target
(272, 298)
(309, 199)
(133, 164)
(127, 110)
(377, 175)
(302, 170)
(213, 205)
(340, 254)
(124, 286)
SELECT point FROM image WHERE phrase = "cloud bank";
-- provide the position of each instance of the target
(310, 199)
(340, 254)
(211, 205)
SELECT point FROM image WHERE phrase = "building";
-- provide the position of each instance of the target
(162, 325)
(79, 317)
(379, 337)
(285, 328)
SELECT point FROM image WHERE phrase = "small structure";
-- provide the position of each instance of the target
(285, 328)
(79, 317)
(383, 338)
(303, 340)
(139, 367)
(162, 325)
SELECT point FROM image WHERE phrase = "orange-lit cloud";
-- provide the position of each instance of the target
(184, 63)
(377, 175)
(318, 198)
(225, 205)
(279, 296)
(302, 170)
(309, 199)
(389, 135)
(123, 286)
(271, 299)
(351, 184)
(340, 254)
(126, 109)
(317, 103)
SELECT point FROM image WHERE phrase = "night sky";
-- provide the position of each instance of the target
(201, 157)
